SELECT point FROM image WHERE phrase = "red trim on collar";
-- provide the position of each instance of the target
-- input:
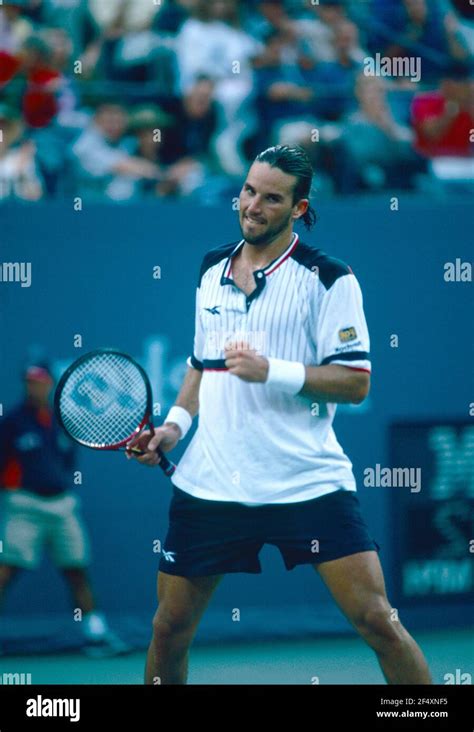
(231, 255)
(293, 246)
(288, 254)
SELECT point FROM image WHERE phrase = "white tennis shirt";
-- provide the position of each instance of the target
(254, 443)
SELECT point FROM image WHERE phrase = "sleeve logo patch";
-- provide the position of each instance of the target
(347, 334)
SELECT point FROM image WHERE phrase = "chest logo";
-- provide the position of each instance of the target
(214, 310)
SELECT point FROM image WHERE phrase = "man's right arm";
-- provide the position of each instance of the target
(188, 397)
(168, 435)
(179, 419)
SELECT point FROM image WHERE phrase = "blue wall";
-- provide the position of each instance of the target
(92, 275)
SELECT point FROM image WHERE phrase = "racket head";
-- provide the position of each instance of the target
(103, 399)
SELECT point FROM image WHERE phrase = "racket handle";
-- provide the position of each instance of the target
(166, 465)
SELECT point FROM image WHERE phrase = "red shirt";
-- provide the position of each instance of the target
(9, 66)
(455, 138)
(39, 101)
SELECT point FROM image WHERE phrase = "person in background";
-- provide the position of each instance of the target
(404, 28)
(150, 127)
(14, 26)
(48, 92)
(377, 149)
(174, 144)
(282, 91)
(315, 35)
(74, 18)
(104, 165)
(39, 510)
(19, 174)
(336, 79)
(213, 42)
(459, 26)
(30, 82)
(196, 118)
(443, 119)
(131, 16)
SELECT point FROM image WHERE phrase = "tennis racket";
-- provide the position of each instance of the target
(104, 401)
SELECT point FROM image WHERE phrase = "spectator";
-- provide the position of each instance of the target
(459, 27)
(33, 83)
(14, 27)
(211, 42)
(132, 51)
(267, 16)
(19, 175)
(104, 165)
(153, 130)
(150, 126)
(52, 106)
(195, 125)
(444, 119)
(411, 28)
(118, 38)
(74, 18)
(60, 55)
(377, 150)
(44, 83)
(282, 91)
(336, 79)
(172, 16)
(204, 63)
(126, 16)
(316, 34)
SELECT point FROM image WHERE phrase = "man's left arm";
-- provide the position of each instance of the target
(332, 383)
(337, 384)
(342, 372)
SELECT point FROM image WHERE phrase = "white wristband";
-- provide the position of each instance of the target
(289, 376)
(182, 418)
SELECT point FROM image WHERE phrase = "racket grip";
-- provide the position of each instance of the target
(166, 465)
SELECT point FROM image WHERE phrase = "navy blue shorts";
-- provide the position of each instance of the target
(208, 537)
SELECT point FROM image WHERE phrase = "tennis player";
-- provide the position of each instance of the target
(280, 340)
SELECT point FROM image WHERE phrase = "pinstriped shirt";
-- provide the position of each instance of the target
(256, 444)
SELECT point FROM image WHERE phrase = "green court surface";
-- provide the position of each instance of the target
(326, 661)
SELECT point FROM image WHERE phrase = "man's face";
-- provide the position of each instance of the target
(146, 141)
(330, 14)
(60, 45)
(221, 9)
(345, 37)
(112, 121)
(416, 9)
(199, 98)
(266, 204)
(274, 50)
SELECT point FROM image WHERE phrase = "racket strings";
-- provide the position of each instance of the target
(104, 400)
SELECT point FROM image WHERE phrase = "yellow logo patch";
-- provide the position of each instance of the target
(347, 334)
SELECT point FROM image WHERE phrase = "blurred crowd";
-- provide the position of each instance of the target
(132, 99)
